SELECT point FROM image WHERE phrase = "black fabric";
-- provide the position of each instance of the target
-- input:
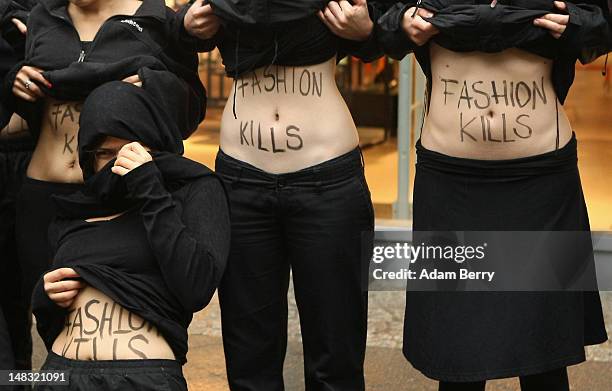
(35, 210)
(174, 236)
(555, 380)
(474, 25)
(106, 375)
(259, 33)
(15, 337)
(146, 44)
(12, 44)
(310, 221)
(475, 336)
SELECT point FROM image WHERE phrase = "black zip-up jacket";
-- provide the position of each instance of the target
(12, 42)
(146, 43)
(468, 25)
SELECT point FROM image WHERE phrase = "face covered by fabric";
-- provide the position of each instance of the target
(128, 112)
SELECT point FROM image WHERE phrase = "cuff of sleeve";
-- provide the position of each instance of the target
(143, 180)
(391, 34)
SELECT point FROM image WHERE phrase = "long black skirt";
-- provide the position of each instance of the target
(474, 336)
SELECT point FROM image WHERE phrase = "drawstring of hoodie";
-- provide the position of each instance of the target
(238, 63)
(237, 74)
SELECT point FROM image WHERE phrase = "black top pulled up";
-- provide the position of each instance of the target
(257, 33)
(146, 43)
(471, 25)
(163, 258)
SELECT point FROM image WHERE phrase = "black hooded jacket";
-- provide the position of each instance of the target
(164, 257)
(124, 46)
(480, 25)
(12, 42)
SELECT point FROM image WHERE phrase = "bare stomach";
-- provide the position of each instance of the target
(492, 106)
(55, 157)
(97, 328)
(288, 118)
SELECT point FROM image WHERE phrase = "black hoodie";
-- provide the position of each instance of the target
(124, 46)
(173, 237)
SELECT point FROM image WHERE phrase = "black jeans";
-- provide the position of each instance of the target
(311, 222)
(124, 375)
(15, 337)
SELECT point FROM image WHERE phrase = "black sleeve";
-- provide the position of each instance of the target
(27, 110)
(390, 32)
(588, 34)
(370, 49)
(183, 38)
(191, 243)
(49, 316)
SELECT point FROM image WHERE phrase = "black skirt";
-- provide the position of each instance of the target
(474, 336)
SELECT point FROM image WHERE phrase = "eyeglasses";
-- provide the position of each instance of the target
(104, 153)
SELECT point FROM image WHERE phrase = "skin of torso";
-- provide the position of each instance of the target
(55, 157)
(98, 328)
(289, 118)
(492, 106)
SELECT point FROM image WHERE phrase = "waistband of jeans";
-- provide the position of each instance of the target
(122, 365)
(561, 160)
(347, 164)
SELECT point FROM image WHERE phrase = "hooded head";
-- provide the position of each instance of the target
(124, 111)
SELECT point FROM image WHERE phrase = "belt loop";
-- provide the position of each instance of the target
(237, 178)
(316, 172)
(362, 159)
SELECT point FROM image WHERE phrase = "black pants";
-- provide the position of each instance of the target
(555, 380)
(310, 222)
(35, 211)
(15, 338)
(124, 375)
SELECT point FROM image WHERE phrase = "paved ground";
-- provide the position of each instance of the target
(386, 369)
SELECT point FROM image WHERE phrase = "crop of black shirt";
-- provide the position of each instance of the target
(481, 25)
(161, 260)
(257, 33)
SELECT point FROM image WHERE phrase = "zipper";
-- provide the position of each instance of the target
(93, 42)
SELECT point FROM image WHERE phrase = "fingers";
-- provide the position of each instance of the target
(25, 87)
(64, 299)
(202, 10)
(63, 286)
(561, 5)
(119, 170)
(336, 11)
(126, 163)
(556, 29)
(132, 79)
(130, 156)
(36, 74)
(23, 29)
(557, 18)
(60, 274)
(424, 13)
